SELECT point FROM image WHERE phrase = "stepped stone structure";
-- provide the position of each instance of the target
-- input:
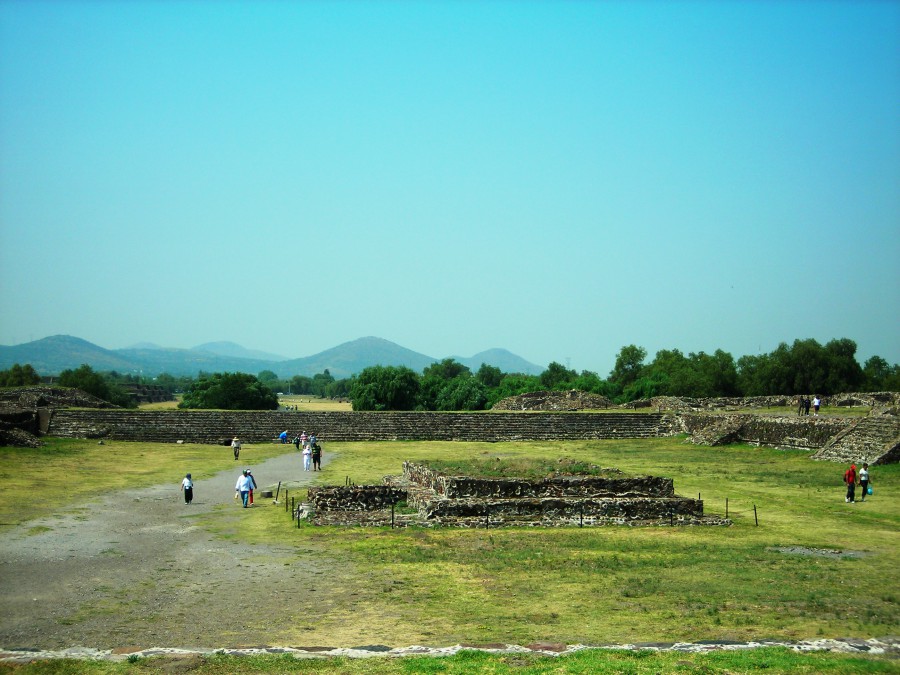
(432, 498)
(873, 439)
(209, 426)
(28, 412)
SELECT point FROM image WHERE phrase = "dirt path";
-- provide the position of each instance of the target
(135, 570)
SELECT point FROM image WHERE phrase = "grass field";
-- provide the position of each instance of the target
(813, 567)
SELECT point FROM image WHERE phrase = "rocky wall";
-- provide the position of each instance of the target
(806, 433)
(354, 498)
(465, 487)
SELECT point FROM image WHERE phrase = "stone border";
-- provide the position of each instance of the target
(875, 646)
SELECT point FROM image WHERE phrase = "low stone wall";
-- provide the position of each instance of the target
(578, 487)
(806, 433)
(219, 426)
(354, 498)
(618, 509)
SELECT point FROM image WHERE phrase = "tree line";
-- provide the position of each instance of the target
(804, 367)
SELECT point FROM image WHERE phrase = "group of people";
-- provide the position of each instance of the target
(244, 488)
(312, 451)
(804, 403)
(852, 478)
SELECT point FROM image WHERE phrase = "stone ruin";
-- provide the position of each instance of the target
(426, 497)
(555, 400)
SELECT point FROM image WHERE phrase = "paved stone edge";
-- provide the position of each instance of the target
(875, 646)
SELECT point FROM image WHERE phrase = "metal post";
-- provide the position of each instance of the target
(726, 507)
(392, 516)
(755, 517)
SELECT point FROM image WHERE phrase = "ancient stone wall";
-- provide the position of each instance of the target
(355, 497)
(807, 433)
(218, 427)
(466, 487)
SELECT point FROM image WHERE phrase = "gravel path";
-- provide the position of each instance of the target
(134, 569)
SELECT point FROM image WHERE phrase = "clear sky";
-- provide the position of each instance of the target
(558, 179)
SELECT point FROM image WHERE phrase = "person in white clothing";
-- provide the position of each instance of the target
(187, 486)
(307, 456)
(242, 487)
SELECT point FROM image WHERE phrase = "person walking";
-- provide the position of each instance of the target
(800, 407)
(806, 406)
(242, 487)
(236, 447)
(187, 486)
(307, 456)
(252, 486)
(317, 456)
(816, 403)
(864, 481)
(850, 481)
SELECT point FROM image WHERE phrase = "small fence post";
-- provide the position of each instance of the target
(581, 515)
(392, 516)
(755, 517)
(726, 507)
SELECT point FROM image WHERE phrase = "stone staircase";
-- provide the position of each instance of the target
(874, 439)
(462, 501)
(219, 427)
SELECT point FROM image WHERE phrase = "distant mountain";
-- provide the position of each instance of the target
(351, 357)
(234, 350)
(503, 359)
(52, 355)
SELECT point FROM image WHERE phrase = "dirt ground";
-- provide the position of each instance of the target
(134, 569)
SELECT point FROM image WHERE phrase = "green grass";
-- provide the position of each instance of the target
(45, 477)
(570, 585)
(586, 662)
(530, 468)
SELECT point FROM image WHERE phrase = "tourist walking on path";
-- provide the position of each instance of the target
(187, 486)
(317, 456)
(307, 456)
(806, 406)
(800, 407)
(816, 403)
(864, 481)
(236, 447)
(242, 487)
(252, 485)
(850, 480)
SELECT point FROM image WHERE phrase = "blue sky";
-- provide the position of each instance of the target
(556, 178)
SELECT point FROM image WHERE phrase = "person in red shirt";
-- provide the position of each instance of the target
(850, 480)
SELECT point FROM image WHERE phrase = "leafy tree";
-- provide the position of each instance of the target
(445, 370)
(629, 362)
(557, 377)
(267, 376)
(229, 391)
(19, 376)
(91, 382)
(513, 384)
(462, 393)
(385, 388)
(879, 376)
(489, 376)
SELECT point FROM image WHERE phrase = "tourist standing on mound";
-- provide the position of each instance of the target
(187, 486)
(242, 487)
(850, 480)
(236, 447)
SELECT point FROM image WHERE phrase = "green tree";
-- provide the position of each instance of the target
(628, 366)
(462, 393)
(91, 382)
(489, 376)
(557, 377)
(19, 376)
(229, 391)
(385, 388)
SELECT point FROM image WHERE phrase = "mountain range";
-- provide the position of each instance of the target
(52, 355)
